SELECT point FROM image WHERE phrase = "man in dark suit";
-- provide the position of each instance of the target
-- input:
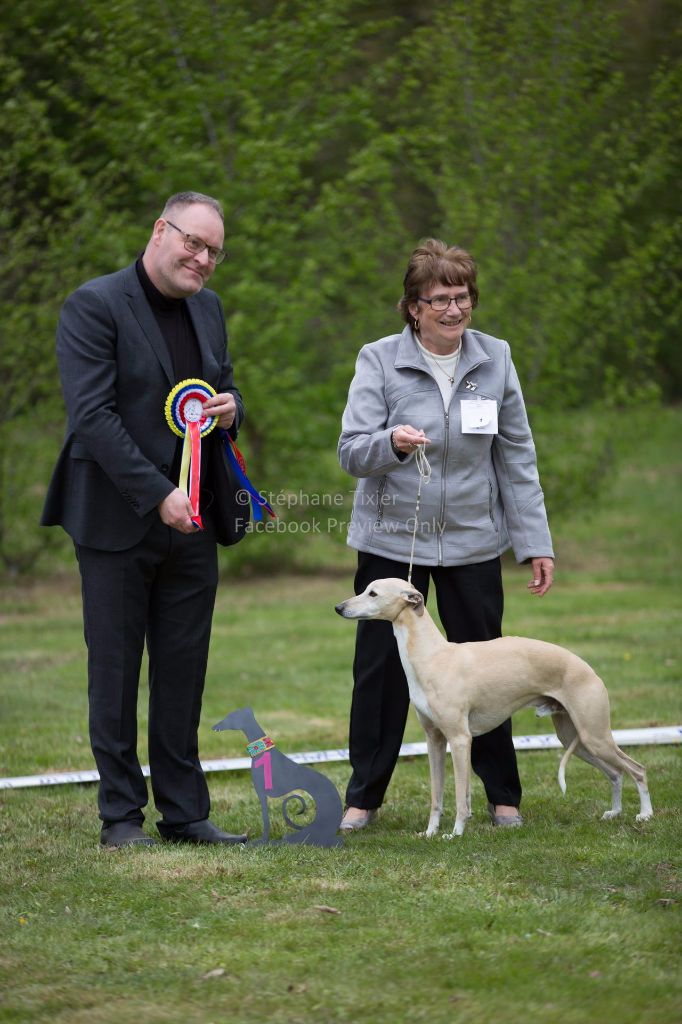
(123, 342)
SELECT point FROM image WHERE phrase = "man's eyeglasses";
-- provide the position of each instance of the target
(195, 245)
(442, 302)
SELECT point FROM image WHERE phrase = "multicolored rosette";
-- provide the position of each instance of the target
(185, 416)
(238, 466)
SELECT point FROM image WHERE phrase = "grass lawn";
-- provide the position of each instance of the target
(569, 919)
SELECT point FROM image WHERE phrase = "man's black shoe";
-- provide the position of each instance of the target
(124, 833)
(197, 832)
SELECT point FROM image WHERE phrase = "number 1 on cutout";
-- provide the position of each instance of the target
(266, 761)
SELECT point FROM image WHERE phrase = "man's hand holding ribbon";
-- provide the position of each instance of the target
(223, 407)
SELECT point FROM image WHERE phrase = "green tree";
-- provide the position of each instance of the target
(543, 135)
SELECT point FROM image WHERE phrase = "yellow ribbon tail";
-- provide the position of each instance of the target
(184, 464)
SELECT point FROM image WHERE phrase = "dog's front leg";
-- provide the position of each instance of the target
(264, 812)
(460, 749)
(435, 745)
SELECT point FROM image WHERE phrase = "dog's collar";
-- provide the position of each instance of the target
(259, 746)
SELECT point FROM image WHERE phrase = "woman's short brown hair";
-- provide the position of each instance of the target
(433, 262)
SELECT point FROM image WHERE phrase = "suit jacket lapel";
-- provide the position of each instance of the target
(145, 318)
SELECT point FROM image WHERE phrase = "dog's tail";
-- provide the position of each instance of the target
(564, 760)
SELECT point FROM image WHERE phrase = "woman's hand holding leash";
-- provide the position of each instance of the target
(405, 438)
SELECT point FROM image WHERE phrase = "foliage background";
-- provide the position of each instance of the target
(544, 135)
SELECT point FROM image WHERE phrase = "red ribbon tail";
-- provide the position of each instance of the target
(195, 472)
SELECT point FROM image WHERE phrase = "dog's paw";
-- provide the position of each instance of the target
(428, 834)
(609, 815)
(645, 817)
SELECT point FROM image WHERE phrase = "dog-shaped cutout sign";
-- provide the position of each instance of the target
(275, 775)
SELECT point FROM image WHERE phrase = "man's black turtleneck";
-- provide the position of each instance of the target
(177, 329)
(175, 324)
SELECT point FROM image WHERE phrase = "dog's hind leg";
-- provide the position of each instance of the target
(604, 754)
(567, 733)
(606, 749)
(637, 773)
(435, 745)
(645, 808)
(591, 716)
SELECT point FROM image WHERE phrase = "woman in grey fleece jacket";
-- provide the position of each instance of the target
(455, 391)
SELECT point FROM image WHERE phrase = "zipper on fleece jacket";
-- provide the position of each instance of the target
(446, 448)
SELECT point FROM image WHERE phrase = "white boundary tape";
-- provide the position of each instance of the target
(623, 737)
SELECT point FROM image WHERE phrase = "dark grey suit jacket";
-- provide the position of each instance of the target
(116, 374)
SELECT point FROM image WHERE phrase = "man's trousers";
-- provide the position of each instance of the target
(162, 592)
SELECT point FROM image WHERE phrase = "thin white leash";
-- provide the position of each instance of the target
(424, 468)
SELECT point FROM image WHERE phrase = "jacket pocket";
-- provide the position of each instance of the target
(79, 451)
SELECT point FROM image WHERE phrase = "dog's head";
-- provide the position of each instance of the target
(239, 719)
(383, 599)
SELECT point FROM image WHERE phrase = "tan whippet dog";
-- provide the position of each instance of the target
(463, 690)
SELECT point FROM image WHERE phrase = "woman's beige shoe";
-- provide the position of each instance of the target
(505, 820)
(355, 818)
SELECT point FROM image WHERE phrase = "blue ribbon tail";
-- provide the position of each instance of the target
(258, 502)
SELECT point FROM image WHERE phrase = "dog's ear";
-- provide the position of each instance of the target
(416, 599)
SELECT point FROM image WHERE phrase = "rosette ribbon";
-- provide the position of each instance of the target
(236, 461)
(185, 416)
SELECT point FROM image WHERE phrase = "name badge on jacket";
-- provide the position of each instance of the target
(479, 417)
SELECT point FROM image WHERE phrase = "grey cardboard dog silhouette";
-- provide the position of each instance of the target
(274, 774)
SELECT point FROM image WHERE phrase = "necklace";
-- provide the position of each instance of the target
(444, 372)
(453, 359)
